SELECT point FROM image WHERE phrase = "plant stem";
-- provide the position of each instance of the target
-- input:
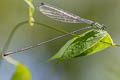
(11, 35)
(54, 28)
(118, 45)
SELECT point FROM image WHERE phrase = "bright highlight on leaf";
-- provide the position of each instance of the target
(22, 73)
(31, 12)
(86, 44)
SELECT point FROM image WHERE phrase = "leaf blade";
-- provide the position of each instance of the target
(102, 44)
(78, 46)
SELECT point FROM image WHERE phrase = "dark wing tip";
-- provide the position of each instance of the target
(41, 4)
(5, 54)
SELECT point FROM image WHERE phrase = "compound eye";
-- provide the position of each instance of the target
(104, 27)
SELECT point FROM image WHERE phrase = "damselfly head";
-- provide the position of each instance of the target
(104, 27)
(99, 26)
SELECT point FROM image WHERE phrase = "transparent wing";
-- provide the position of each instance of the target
(61, 15)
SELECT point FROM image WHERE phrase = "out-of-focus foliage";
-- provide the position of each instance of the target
(21, 73)
(31, 12)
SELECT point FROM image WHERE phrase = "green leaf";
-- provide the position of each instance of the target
(86, 44)
(31, 12)
(22, 73)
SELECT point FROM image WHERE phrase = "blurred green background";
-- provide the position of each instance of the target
(104, 65)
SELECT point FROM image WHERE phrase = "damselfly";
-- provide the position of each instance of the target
(63, 16)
